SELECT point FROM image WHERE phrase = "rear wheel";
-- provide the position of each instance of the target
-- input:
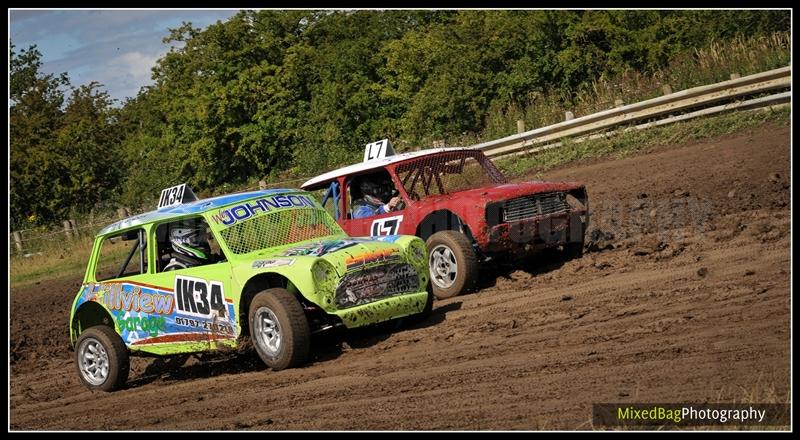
(279, 329)
(452, 262)
(102, 359)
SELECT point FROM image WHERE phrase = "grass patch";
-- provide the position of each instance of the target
(631, 142)
(51, 263)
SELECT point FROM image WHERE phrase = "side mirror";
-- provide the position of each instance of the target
(130, 235)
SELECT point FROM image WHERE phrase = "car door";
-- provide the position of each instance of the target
(388, 223)
(203, 311)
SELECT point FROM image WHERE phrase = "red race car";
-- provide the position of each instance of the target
(460, 203)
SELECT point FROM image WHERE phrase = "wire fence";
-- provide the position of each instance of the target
(59, 238)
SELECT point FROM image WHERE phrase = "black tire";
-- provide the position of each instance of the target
(446, 248)
(100, 349)
(290, 326)
(572, 250)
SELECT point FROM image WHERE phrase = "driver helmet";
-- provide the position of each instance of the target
(190, 239)
(379, 187)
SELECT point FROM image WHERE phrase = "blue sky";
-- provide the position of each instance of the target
(116, 48)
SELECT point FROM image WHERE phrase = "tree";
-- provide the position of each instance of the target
(35, 115)
(63, 153)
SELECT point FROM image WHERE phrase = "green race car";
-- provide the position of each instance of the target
(199, 275)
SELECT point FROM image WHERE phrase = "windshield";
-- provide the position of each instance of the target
(279, 228)
(446, 173)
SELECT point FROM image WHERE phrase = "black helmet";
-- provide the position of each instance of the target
(380, 187)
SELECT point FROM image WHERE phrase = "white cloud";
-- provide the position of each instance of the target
(115, 48)
(136, 64)
(125, 74)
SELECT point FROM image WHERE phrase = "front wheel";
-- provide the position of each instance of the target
(572, 250)
(102, 359)
(279, 329)
(452, 262)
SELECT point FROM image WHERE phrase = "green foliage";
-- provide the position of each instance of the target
(268, 94)
(63, 153)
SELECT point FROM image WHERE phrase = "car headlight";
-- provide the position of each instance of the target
(417, 252)
(322, 271)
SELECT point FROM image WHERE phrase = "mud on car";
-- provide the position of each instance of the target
(462, 205)
(277, 269)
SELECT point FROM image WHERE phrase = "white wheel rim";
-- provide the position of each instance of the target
(93, 361)
(443, 266)
(267, 331)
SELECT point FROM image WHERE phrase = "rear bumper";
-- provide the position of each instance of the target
(535, 233)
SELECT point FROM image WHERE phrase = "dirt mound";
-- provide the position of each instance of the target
(682, 296)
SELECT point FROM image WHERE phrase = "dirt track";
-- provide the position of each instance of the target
(687, 302)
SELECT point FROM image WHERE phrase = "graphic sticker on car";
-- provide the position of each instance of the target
(196, 310)
(321, 248)
(386, 225)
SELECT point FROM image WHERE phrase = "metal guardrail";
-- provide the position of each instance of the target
(661, 107)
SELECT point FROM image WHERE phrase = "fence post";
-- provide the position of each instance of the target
(121, 213)
(17, 240)
(618, 103)
(735, 76)
(666, 89)
(520, 126)
(262, 184)
(127, 212)
(68, 229)
(74, 226)
(568, 115)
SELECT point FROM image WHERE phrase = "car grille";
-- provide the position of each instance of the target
(374, 283)
(534, 206)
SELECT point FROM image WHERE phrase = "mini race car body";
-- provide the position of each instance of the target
(280, 270)
(463, 206)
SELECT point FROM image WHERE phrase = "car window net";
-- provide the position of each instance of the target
(447, 174)
(279, 228)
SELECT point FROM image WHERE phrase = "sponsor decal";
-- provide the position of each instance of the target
(125, 222)
(387, 238)
(182, 337)
(198, 297)
(321, 248)
(148, 324)
(230, 216)
(196, 310)
(378, 256)
(131, 298)
(263, 264)
(209, 326)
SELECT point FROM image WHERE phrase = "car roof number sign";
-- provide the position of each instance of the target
(378, 150)
(172, 196)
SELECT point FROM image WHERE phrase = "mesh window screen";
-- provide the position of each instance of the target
(447, 173)
(279, 228)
